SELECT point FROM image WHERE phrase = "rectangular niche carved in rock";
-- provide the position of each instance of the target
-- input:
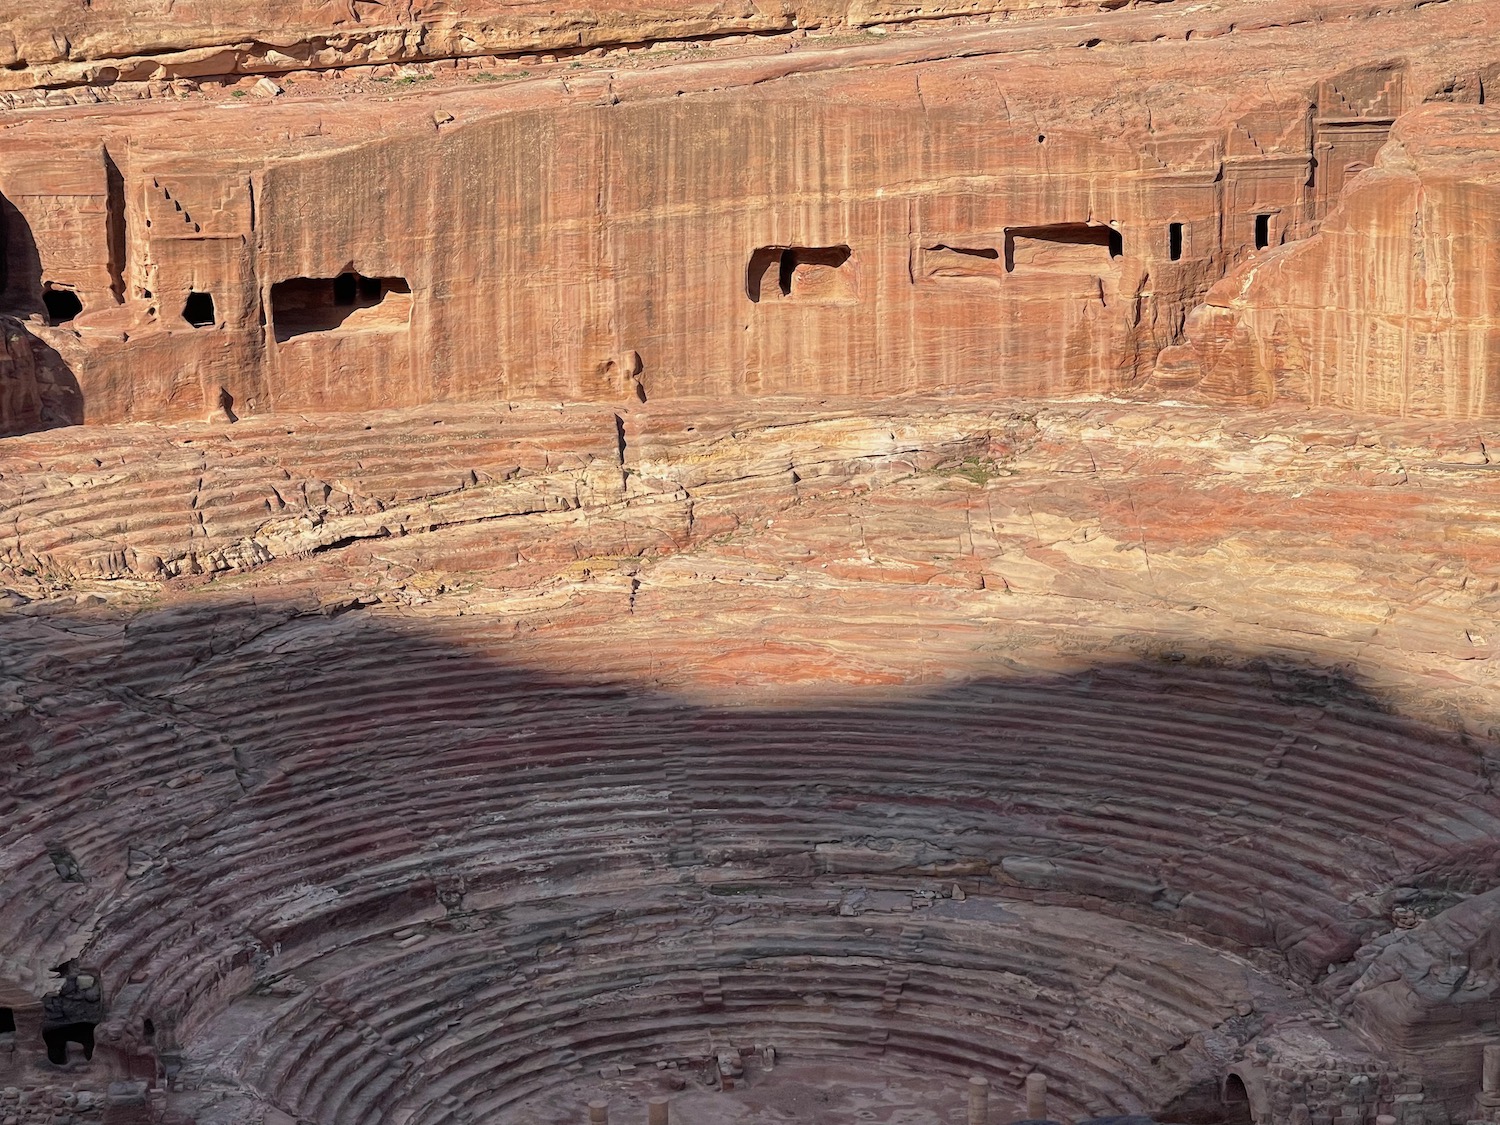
(805, 273)
(1063, 248)
(349, 302)
(1262, 231)
(943, 260)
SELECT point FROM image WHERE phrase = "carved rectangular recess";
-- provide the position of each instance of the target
(1062, 248)
(1262, 231)
(20, 265)
(349, 302)
(954, 260)
(815, 274)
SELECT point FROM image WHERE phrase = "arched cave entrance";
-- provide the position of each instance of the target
(1237, 1102)
(62, 305)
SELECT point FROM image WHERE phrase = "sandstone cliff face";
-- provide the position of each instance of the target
(653, 250)
(1391, 307)
(69, 43)
(880, 218)
(597, 564)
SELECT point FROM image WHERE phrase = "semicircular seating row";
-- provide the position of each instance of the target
(469, 1025)
(359, 775)
(207, 495)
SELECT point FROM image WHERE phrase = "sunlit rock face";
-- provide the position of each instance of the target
(1388, 308)
(819, 564)
(971, 207)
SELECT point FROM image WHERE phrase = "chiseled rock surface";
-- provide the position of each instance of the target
(845, 214)
(703, 585)
(1390, 307)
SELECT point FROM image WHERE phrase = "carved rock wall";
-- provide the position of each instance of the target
(1391, 307)
(905, 217)
(622, 617)
(653, 250)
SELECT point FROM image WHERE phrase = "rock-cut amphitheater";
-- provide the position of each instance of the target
(750, 562)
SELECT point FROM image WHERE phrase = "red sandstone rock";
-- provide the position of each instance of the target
(593, 577)
(102, 42)
(1387, 308)
(1133, 728)
(736, 226)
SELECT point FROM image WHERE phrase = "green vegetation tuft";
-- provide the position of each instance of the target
(979, 470)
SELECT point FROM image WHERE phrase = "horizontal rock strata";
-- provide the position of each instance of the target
(1074, 683)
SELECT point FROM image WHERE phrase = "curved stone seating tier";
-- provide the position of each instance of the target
(472, 1023)
(420, 857)
(1137, 788)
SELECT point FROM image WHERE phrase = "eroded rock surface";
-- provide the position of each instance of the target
(103, 42)
(779, 557)
(1389, 307)
(913, 213)
(777, 726)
